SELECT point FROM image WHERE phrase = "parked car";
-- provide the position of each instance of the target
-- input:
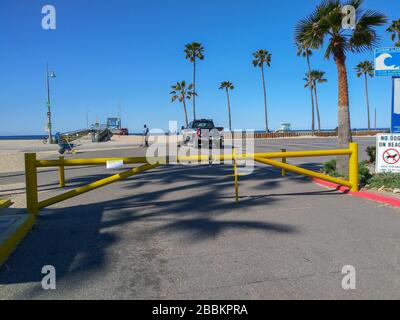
(120, 131)
(203, 133)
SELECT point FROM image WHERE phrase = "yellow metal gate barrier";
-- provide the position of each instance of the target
(31, 165)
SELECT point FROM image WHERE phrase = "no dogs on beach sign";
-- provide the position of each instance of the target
(388, 153)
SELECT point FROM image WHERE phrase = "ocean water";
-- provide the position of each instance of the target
(26, 137)
(40, 137)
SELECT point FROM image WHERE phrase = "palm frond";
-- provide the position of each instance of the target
(326, 23)
(394, 29)
(365, 68)
(262, 57)
(226, 85)
(194, 50)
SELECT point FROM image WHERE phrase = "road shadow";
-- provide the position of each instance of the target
(194, 202)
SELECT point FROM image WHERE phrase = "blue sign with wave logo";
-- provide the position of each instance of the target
(387, 62)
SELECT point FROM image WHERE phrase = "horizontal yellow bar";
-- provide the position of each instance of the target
(95, 185)
(166, 160)
(303, 171)
(103, 161)
(273, 155)
(86, 162)
(299, 154)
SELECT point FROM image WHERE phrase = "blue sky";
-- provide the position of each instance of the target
(129, 53)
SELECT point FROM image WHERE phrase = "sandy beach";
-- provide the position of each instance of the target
(12, 151)
(12, 164)
(12, 160)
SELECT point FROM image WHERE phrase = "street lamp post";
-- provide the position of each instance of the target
(49, 125)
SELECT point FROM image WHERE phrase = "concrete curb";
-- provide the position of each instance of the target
(362, 194)
(16, 228)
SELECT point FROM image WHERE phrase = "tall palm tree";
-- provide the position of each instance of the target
(366, 68)
(326, 22)
(260, 58)
(228, 86)
(309, 84)
(394, 29)
(305, 52)
(181, 93)
(318, 77)
(193, 52)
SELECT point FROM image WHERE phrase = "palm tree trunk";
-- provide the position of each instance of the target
(367, 97)
(308, 62)
(312, 96)
(194, 88)
(312, 113)
(186, 116)
(317, 107)
(229, 110)
(265, 100)
(344, 128)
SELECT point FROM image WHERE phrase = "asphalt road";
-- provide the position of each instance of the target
(176, 233)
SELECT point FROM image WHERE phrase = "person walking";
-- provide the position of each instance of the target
(146, 136)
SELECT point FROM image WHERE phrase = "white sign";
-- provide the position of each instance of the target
(114, 164)
(388, 153)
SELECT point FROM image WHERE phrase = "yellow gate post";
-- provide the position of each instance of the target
(353, 167)
(235, 173)
(61, 171)
(283, 161)
(31, 183)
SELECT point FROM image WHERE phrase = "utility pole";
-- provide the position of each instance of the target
(119, 117)
(49, 124)
(375, 120)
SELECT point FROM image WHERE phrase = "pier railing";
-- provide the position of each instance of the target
(296, 134)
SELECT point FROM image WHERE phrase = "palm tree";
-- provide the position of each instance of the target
(193, 52)
(262, 57)
(306, 53)
(326, 22)
(309, 84)
(394, 29)
(228, 86)
(318, 77)
(181, 93)
(366, 68)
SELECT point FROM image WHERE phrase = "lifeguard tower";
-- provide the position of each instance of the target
(285, 127)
